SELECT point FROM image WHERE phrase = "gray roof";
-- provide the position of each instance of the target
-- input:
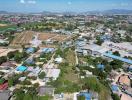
(43, 90)
(5, 95)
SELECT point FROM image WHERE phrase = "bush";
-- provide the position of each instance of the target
(42, 75)
(115, 97)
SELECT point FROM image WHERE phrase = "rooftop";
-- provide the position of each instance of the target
(114, 88)
(87, 95)
(124, 79)
(21, 68)
(118, 58)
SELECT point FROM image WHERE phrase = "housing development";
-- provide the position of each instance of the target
(65, 56)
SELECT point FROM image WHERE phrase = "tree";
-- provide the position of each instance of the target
(116, 53)
(115, 97)
(19, 94)
(80, 98)
(108, 68)
(36, 85)
(116, 64)
(18, 57)
(91, 83)
(99, 42)
(27, 97)
(11, 54)
(10, 82)
(3, 59)
(26, 82)
(42, 75)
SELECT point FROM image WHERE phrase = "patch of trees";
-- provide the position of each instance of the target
(42, 75)
(17, 56)
(3, 59)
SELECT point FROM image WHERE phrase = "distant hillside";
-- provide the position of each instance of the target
(118, 11)
(3, 12)
(112, 11)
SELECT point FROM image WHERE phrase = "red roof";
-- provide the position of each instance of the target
(4, 86)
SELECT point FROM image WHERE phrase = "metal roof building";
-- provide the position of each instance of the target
(118, 58)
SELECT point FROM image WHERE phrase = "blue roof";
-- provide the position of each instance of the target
(87, 95)
(30, 50)
(30, 61)
(48, 50)
(100, 66)
(130, 68)
(118, 58)
(105, 37)
(21, 68)
(114, 88)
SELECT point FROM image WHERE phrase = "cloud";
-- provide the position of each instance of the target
(124, 4)
(31, 2)
(28, 1)
(22, 1)
(69, 3)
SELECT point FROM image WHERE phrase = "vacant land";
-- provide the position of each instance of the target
(5, 51)
(3, 25)
(46, 36)
(52, 36)
(23, 38)
(60, 38)
(71, 59)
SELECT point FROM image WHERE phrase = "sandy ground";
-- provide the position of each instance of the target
(5, 51)
(2, 25)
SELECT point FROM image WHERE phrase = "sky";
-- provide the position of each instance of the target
(63, 5)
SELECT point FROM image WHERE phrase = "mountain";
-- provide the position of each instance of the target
(3, 12)
(105, 12)
(118, 11)
(110, 12)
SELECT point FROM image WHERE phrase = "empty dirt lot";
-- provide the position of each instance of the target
(2, 25)
(52, 36)
(23, 38)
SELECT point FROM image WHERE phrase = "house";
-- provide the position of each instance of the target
(105, 37)
(100, 66)
(5, 95)
(91, 49)
(121, 32)
(59, 96)
(86, 95)
(3, 41)
(22, 79)
(129, 68)
(124, 80)
(30, 61)
(115, 88)
(7, 65)
(4, 85)
(109, 55)
(58, 60)
(30, 50)
(43, 90)
(47, 50)
(33, 71)
(21, 68)
(52, 73)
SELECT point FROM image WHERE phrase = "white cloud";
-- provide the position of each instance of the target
(124, 4)
(69, 3)
(28, 1)
(22, 1)
(31, 2)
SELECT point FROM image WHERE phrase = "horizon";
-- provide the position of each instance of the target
(28, 6)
